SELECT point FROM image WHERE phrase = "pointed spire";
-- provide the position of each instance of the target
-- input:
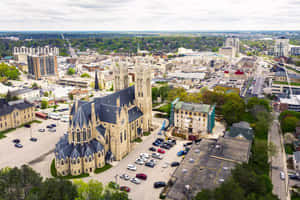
(96, 81)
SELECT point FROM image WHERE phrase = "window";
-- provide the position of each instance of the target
(84, 134)
(89, 133)
(125, 135)
(78, 136)
(99, 155)
(62, 162)
(90, 159)
(73, 136)
(78, 161)
(85, 159)
(121, 137)
(106, 140)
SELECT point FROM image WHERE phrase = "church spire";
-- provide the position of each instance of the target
(96, 81)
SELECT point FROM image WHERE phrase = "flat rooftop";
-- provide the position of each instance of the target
(207, 165)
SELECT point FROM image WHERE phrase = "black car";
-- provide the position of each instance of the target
(156, 144)
(164, 146)
(152, 149)
(159, 184)
(49, 126)
(16, 141)
(175, 164)
(33, 139)
(27, 125)
(187, 144)
(53, 125)
(149, 164)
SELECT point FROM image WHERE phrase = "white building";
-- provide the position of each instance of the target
(281, 47)
(296, 159)
(26, 93)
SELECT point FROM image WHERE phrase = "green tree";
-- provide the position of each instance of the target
(46, 94)
(85, 75)
(92, 190)
(34, 85)
(44, 104)
(289, 124)
(71, 71)
(233, 109)
(155, 93)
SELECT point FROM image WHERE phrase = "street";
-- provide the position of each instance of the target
(278, 163)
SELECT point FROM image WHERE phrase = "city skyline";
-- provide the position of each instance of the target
(142, 15)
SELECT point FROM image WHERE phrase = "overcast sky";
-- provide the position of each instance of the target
(149, 15)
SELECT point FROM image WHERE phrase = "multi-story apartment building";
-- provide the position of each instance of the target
(21, 53)
(196, 119)
(233, 42)
(295, 51)
(15, 113)
(281, 47)
(42, 66)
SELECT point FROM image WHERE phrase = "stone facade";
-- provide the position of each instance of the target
(103, 130)
(15, 113)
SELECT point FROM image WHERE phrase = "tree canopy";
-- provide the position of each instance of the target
(8, 72)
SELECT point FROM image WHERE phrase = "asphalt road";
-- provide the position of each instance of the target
(278, 163)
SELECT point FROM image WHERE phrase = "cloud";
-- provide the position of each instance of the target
(149, 14)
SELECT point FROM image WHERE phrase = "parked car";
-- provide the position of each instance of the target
(52, 130)
(27, 125)
(18, 145)
(161, 151)
(181, 153)
(165, 146)
(145, 155)
(159, 184)
(125, 188)
(135, 180)
(175, 164)
(53, 125)
(155, 144)
(131, 167)
(188, 144)
(152, 149)
(33, 139)
(139, 161)
(49, 126)
(282, 175)
(16, 141)
(141, 176)
(165, 165)
(156, 155)
(150, 164)
(42, 130)
(125, 177)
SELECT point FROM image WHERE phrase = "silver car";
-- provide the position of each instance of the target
(131, 167)
(135, 180)
(125, 177)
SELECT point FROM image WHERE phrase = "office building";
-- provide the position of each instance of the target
(42, 66)
(233, 42)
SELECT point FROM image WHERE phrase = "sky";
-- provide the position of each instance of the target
(149, 15)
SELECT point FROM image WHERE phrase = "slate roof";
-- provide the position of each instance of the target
(101, 130)
(106, 108)
(8, 107)
(134, 113)
(203, 108)
(241, 129)
(65, 150)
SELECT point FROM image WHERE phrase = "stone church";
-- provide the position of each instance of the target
(103, 130)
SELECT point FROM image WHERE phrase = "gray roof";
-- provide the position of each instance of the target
(65, 150)
(297, 156)
(106, 108)
(134, 113)
(283, 74)
(8, 107)
(241, 129)
(204, 108)
(20, 91)
(101, 130)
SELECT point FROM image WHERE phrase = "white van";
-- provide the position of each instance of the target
(54, 116)
(282, 175)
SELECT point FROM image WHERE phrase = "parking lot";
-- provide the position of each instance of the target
(32, 153)
(145, 189)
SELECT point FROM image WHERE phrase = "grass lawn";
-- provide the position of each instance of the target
(286, 83)
(289, 149)
(102, 169)
(147, 133)
(139, 140)
(54, 173)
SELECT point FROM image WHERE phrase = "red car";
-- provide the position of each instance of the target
(141, 176)
(161, 151)
(125, 188)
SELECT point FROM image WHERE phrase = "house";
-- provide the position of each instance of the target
(241, 130)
